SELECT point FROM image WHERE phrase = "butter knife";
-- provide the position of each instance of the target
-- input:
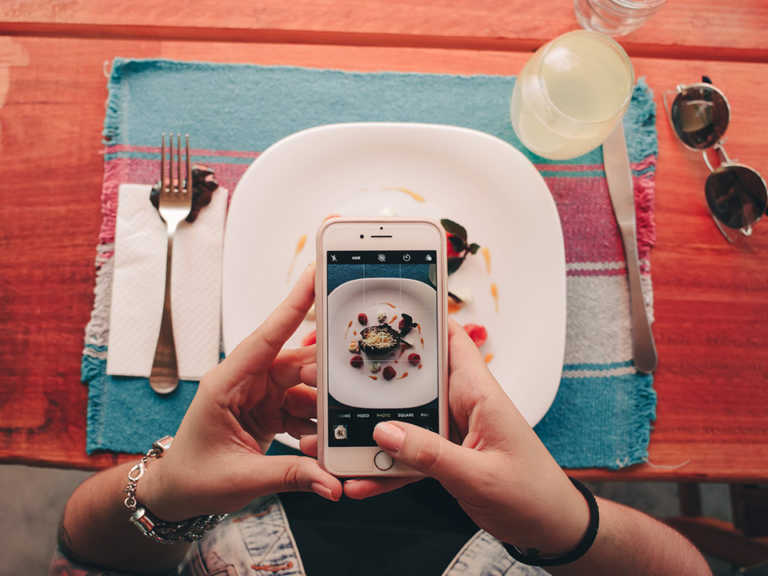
(619, 177)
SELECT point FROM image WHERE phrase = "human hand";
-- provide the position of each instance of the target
(217, 462)
(496, 467)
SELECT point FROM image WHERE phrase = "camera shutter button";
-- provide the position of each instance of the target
(383, 461)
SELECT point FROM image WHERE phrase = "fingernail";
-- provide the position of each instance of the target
(322, 490)
(389, 436)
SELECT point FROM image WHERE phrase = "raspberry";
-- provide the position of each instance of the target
(405, 325)
(388, 373)
(451, 249)
(362, 318)
(477, 332)
(356, 361)
(414, 359)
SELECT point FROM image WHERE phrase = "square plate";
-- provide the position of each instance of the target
(382, 169)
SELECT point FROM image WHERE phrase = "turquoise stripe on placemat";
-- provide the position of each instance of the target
(125, 414)
(599, 420)
(631, 401)
(252, 107)
(617, 411)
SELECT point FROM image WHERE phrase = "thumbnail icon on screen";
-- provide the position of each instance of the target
(340, 432)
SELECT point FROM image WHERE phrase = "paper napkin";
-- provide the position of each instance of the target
(138, 286)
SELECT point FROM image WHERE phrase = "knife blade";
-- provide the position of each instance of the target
(619, 176)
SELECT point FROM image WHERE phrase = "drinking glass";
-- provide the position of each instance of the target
(615, 17)
(570, 94)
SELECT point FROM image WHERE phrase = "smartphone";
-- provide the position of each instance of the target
(382, 340)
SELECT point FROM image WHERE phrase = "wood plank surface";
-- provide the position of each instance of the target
(711, 299)
(703, 29)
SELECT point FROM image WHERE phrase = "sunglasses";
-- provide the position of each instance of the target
(736, 194)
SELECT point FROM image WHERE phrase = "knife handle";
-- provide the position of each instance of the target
(643, 346)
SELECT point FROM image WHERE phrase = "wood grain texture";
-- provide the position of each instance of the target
(711, 298)
(683, 28)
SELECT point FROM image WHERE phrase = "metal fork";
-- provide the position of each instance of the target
(174, 205)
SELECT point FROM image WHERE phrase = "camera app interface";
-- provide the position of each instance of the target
(382, 342)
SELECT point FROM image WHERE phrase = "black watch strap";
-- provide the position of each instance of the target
(533, 557)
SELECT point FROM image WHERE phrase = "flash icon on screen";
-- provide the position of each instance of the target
(382, 257)
(428, 257)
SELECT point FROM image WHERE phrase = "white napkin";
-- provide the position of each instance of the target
(138, 286)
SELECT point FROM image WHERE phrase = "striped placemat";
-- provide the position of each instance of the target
(603, 411)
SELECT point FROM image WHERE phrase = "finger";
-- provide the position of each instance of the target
(298, 427)
(286, 370)
(297, 474)
(308, 445)
(425, 451)
(301, 402)
(366, 488)
(309, 374)
(462, 350)
(259, 349)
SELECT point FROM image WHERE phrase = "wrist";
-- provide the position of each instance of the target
(158, 492)
(559, 524)
(175, 525)
(536, 557)
(571, 525)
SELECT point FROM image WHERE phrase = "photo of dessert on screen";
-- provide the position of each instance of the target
(385, 346)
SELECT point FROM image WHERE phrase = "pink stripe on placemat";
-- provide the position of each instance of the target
(583, 203)
(644, 215)
(589, 226)
(644, 269)
(568, 167)
(586, 214)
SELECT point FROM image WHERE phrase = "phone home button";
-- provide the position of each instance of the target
(383, 461)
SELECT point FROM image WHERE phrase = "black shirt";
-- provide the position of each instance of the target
(417, 529)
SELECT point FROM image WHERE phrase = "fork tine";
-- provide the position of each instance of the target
(189, 167)
(162, 163)
(178, 162)
(170, 163)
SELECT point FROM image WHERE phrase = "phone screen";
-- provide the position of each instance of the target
(382, 342)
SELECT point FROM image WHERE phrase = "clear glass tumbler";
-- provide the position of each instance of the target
(615, 17)
(570, 94)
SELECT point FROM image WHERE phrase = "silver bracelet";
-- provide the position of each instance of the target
(189, 530)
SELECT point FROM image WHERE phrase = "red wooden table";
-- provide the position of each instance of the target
(711, 299)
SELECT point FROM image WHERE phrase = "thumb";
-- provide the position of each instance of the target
(297, 474)
(425, 451)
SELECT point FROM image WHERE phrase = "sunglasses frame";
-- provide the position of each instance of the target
(717, 147)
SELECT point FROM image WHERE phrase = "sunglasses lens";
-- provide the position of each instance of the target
(736, 195)
(700, 116)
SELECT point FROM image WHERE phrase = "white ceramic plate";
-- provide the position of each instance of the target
(383, 169)
(354, 386)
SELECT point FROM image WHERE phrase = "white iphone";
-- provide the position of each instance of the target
(382, 343)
